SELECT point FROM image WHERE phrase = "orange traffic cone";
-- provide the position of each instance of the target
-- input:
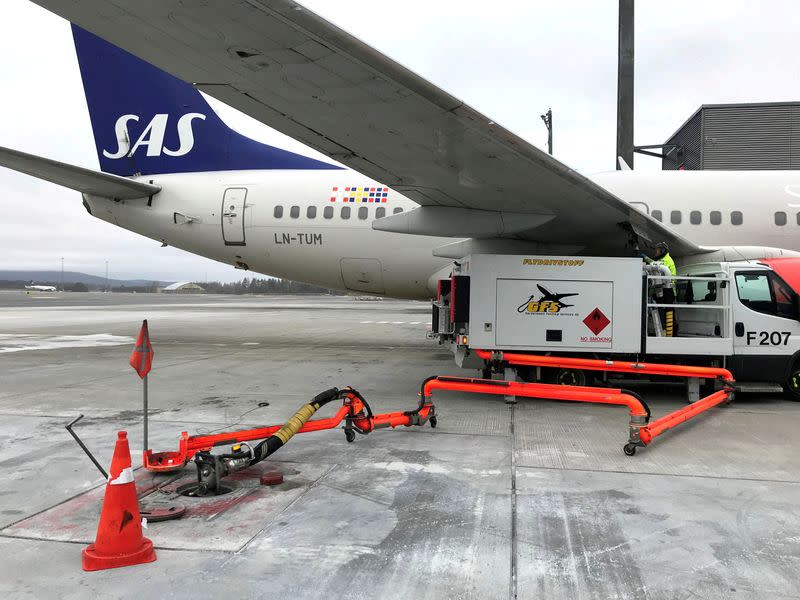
(119, 541)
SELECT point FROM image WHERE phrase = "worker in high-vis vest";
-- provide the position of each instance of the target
(668, 297)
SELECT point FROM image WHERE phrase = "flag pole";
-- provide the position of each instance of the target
(142, 361)
(144, 410)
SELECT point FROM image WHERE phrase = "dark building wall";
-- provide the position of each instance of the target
(740, 137)
(689, 138)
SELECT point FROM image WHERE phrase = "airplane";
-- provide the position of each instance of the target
(41, 288)
(554, 298)
(417, 179)
(548, 302)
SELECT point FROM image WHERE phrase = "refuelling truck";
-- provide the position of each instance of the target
(743, 316)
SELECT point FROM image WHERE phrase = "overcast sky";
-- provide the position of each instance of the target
(509, 59)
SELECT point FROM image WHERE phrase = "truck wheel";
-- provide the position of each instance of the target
(793, 383)
(569, 377)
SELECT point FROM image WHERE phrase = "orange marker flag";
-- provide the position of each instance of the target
(142, 356)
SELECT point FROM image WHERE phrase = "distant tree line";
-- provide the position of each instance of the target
(263, 286)
(244, 286)
(79, 287)
(19, 285)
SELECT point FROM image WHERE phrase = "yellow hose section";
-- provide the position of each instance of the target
(296, 421)
(669, 323)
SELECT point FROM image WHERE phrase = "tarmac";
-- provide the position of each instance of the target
(533, 500)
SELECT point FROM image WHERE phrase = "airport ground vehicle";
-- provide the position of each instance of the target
(744, 316)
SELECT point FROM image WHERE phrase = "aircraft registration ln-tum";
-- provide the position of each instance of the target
(427, 179)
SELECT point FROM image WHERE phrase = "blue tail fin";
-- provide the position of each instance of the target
(146, 121)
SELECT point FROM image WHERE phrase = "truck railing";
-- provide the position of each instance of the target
(721, 302)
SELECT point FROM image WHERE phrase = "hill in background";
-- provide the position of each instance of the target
(71, 277)
(82, 282)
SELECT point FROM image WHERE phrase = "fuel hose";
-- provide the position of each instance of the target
(263, 449)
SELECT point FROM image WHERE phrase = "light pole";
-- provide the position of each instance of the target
(107, 277)
(625, 84)
(62, 273)
(548, 122)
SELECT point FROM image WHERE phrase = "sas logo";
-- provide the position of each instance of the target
(549, 303)
(153, 136)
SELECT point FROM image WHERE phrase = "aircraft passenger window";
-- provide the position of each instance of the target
(279, 212)
(798, 218)
(294, 212)
(380, 212)
(327, 212)
(736, 217)
(311, 212)
(695, 217)
(675, 217)
(780, 218)
(765, 292)
(398, 209)
(345, 212)
(715, 217)
(363, 212)
(656, 214)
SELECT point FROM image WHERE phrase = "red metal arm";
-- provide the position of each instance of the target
(617, 366)
(538, 390)
(673, 419)
(188, 445)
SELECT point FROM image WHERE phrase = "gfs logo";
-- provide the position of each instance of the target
(152, 137)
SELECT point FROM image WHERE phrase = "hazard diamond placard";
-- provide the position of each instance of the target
(596, 321)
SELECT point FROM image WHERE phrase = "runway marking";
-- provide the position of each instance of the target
(251, 343)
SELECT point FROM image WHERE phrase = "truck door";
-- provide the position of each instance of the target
(766, 327)
(233, 205)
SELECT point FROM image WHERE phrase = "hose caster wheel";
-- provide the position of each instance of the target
(350, 435)
(629, 449)
(433, 422)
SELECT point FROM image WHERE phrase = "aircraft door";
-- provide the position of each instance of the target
(233, 205)
(363, 275)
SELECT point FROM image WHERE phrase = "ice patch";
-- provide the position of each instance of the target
(332, 552)
(407, 467)
(20, 342)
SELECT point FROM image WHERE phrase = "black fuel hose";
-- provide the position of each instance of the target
(211, 468)
(263, 449)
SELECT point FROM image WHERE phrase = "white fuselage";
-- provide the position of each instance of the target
(193, 212)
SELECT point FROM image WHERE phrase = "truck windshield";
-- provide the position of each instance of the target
(765, 292)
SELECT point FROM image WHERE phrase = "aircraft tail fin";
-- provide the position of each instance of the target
(146, 121)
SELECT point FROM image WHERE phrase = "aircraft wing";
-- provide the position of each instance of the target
(296, 72)
(76, 178)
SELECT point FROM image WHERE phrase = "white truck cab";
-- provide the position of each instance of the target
(764, 316)
(744, 315)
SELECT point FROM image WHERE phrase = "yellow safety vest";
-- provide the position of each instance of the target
(667, 261)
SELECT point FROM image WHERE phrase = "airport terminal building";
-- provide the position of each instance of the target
(727, 137)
